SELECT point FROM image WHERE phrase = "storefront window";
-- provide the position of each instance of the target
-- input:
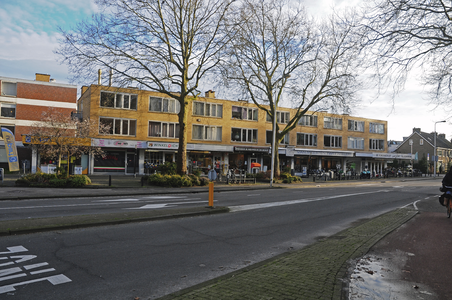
(114, 161)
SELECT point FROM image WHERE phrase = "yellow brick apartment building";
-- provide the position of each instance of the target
(224, 134)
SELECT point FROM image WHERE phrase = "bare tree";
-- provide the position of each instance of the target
(279, 51)
(166, 46)
(57, 135)
(402, 35)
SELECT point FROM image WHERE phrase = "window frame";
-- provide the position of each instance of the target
(245, 111)
(9, 106)
(250, 134)
(334, 140)
(10, 88)
(356, 141)
(285, 141)
(166, 105)
(312, 120)
(355, 125)
(374, 128)
(374, 143)
(205, 133)
(118, 101)
(335, 123)
(209, 109)
(161, 134)
(310, 137)
(118, 123)
(278, 117)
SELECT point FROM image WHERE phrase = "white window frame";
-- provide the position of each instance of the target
(166, 105)
(118, 123)
(332, 123)
(7, 105)
(9, 88)
(309, 139)
(376, 144)
(282, 117)
(377, 128)
(245, 112)
(209, 133)
(335, 141)
(355, 125)
(308, 120)
(119, 100)
(208, 109)
(355, 143)
(246, 135)
(269, 138)
(165, 130)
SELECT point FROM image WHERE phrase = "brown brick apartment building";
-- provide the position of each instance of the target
(22, 103)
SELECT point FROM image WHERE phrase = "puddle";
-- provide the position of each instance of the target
(377, 277)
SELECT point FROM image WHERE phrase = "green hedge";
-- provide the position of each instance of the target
(53, 180)
(176, 180)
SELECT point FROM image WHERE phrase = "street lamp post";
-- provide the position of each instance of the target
(275, 115)
(434, 149)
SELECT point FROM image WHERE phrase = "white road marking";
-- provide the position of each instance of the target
(56, 279)
(117, 200)
(282, 203)
(165, 197)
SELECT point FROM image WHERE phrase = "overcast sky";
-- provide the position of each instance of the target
(28, 37)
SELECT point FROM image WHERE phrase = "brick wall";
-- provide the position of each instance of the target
(46, 92)
(34, 113)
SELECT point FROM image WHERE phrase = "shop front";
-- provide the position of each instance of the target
(376, 163)
(158, 153)
(249, 159)
(204, 157)
(120, 157)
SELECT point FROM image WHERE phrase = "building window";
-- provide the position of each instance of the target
(118, 100)
(269, 138)
(376, 144)
(207, 109)
(421, 142)
(164, 105)
(204, 132)
(282, 117)
(332, 141)
(120, 126)
(332, 123)
(244, 113)
(376, 128)
(8, 110)
(9, 89)
(12, 128)
(308, 121)
(355, 143)
(355, 125)
(244, 135)
(163, 129)
(306, 139)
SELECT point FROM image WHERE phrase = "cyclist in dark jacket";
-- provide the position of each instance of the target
(447, 180)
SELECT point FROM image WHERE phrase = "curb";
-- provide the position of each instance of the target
(16, 227)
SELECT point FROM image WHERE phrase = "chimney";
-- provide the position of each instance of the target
(110, 78)
(84, 89)
(99, 77)
(42, 77)
(442, 135)
(416, 130)
(210, 94)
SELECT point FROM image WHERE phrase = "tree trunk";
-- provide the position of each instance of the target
(182, 150)
(276, 172)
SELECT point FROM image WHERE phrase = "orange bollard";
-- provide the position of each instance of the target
(211, 194)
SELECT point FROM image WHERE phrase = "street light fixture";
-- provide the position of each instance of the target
(434, 149)
(275, 115)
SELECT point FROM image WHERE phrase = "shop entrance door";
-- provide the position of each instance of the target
(253, 160)
(130, 169)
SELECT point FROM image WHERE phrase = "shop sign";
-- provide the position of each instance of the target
(323, 153)
(118, 143)
(157, 145)
(393, 155)
(251, 149)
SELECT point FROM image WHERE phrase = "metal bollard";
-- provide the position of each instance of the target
(109, 180)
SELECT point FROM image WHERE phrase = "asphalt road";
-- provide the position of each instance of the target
(152, 259)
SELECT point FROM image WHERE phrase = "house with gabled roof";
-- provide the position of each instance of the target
(422, 144)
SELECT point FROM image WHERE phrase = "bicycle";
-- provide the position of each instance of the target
(445, 199)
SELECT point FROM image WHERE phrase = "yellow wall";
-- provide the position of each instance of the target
(90, 101)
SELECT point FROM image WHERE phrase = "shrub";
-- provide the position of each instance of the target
(53, 180)
(168, 168)
(176, 180)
